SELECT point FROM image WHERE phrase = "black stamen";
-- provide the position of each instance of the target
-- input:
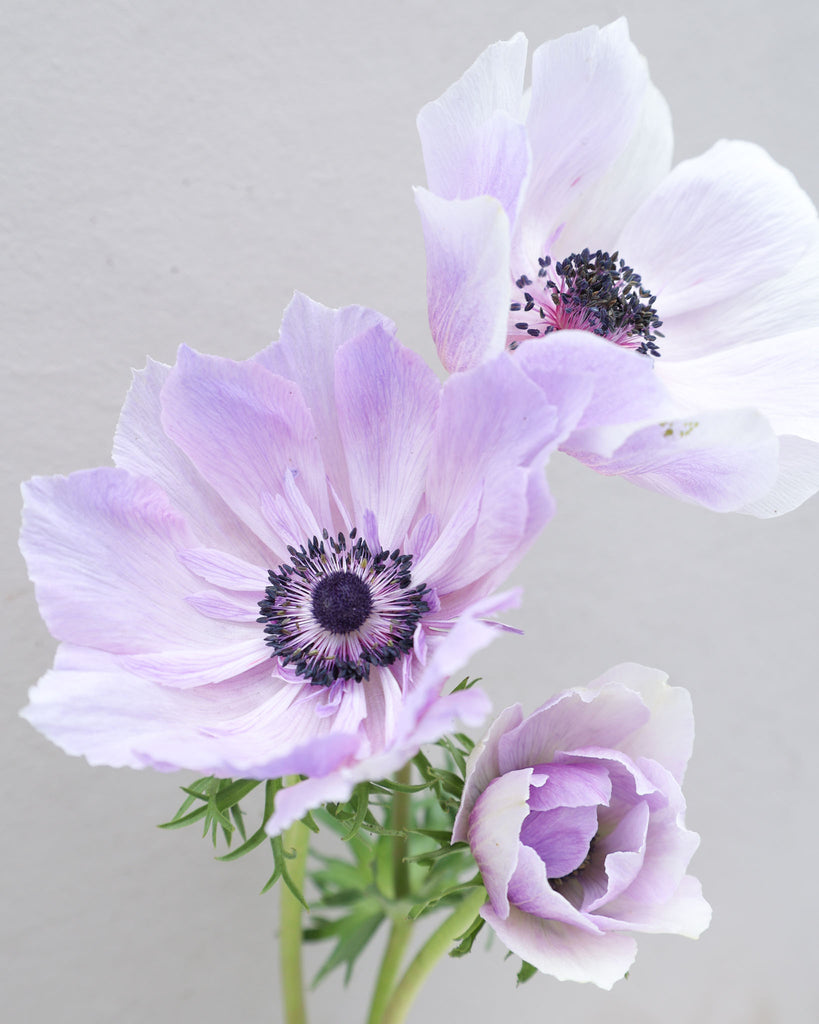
(336, 609)
(593, 291)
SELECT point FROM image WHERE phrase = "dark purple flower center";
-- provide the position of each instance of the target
(587, 291)
(342, 601)
(336, 609)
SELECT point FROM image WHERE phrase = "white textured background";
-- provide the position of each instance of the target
(173, 171)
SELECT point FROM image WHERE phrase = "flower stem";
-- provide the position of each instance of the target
(401, 927)
(400, 820)
(390, 965)
(428, 955)
(296, 839)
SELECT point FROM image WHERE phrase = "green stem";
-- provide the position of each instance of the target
(401, 927)
(390, 965)
(400, 820)
(429, 954)
(296, 839)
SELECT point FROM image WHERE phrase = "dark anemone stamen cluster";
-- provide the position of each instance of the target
(592, 291)
(336, 610)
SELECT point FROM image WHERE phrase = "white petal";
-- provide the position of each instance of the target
(468, 282)
(473, 137)
(722, 460)
(575, 718)
(686, 913)
(597, 218)
(798, 479)
(482, 767)
(494, 833)
(778, 376)
(565, 952)
(718, 225)
(786, 302)
(667, 736)
(587, 98)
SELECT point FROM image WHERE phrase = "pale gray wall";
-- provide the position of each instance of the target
(174, 171)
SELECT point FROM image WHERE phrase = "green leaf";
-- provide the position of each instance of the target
(468, 938)
(238, 816)
(388, 786)
(270, 789)
(214, 817)
(421, 908)
(466, 684)
(218, 795)
(200, 788)
(526, 971)
(223, 794)
(467, 743)
(422, 763)
(255, 840)
(343, 898)
(429, 857)
(280, 858)
(339, 874)
(456, 755)
(324, 817)
(309, 822)
(187, 819)
(360, 803)
(438, 834)
(363, 851)
(233, 792)
(354, 933)
(450, 781)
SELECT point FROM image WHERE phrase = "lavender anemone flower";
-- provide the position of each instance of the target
(290, 557)
(576, 819)
(557, 211)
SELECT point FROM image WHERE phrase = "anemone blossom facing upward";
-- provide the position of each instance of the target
(290, 557)
(557, 212)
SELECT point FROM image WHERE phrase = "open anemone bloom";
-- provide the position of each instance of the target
(557, 211)
(577, 821)
(290, 556)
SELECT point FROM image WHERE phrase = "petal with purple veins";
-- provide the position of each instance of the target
(244, 428)
(387, 401)
(102, 548)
